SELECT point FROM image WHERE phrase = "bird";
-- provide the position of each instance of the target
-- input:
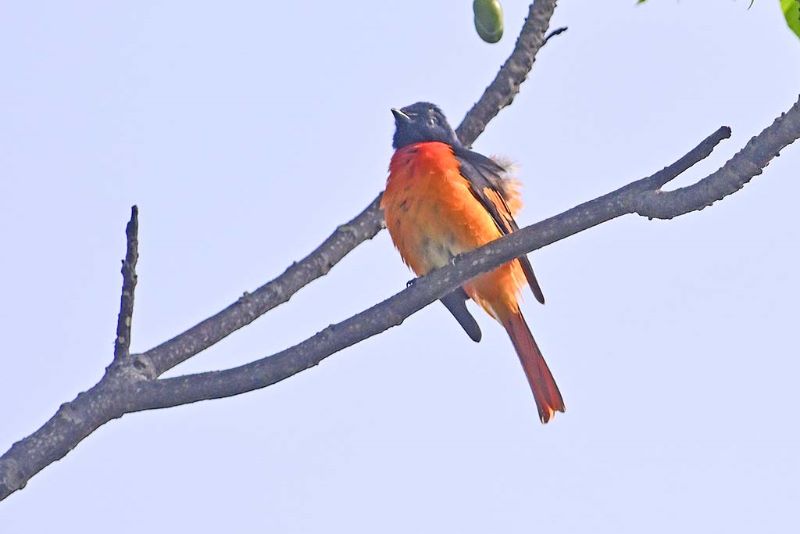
(443, 199)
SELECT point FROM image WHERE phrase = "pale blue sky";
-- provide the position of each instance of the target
(247, 132)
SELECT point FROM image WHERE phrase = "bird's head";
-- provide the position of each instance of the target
(419, 123)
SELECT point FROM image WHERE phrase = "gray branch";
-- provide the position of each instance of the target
(506, 84)
(251, 306)
(122, 343)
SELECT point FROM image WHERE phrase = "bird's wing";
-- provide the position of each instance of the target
(486, 178)
(456, 303)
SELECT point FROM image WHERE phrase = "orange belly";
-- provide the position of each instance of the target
(432, 216)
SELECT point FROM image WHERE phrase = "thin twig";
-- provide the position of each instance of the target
(702, 151)
(557, 31)
(122, 343)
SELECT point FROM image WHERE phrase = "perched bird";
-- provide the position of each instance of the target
(443, 199)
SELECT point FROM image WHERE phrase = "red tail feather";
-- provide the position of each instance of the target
(545, 391)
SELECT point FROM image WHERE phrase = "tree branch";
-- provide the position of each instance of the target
(91, 409)
(275, 292)
(506, 84)
(557, 31)
(749, 162)
(122, 343)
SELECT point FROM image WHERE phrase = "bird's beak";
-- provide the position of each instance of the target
(400, 116)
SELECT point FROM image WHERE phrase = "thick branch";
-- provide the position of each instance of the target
(72, 422)
(252, 305)
(122, 343)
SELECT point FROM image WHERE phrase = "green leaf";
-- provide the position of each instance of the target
(488, 19)
(791, 10)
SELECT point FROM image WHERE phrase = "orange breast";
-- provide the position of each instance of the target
(432, 215)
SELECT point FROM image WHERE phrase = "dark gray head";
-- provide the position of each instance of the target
(419, 123)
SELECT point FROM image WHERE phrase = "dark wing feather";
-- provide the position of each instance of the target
(485, 177)
(456, 303)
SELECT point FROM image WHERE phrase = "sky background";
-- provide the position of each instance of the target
(246, 132)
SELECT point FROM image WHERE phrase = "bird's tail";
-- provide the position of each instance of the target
(545, 391)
